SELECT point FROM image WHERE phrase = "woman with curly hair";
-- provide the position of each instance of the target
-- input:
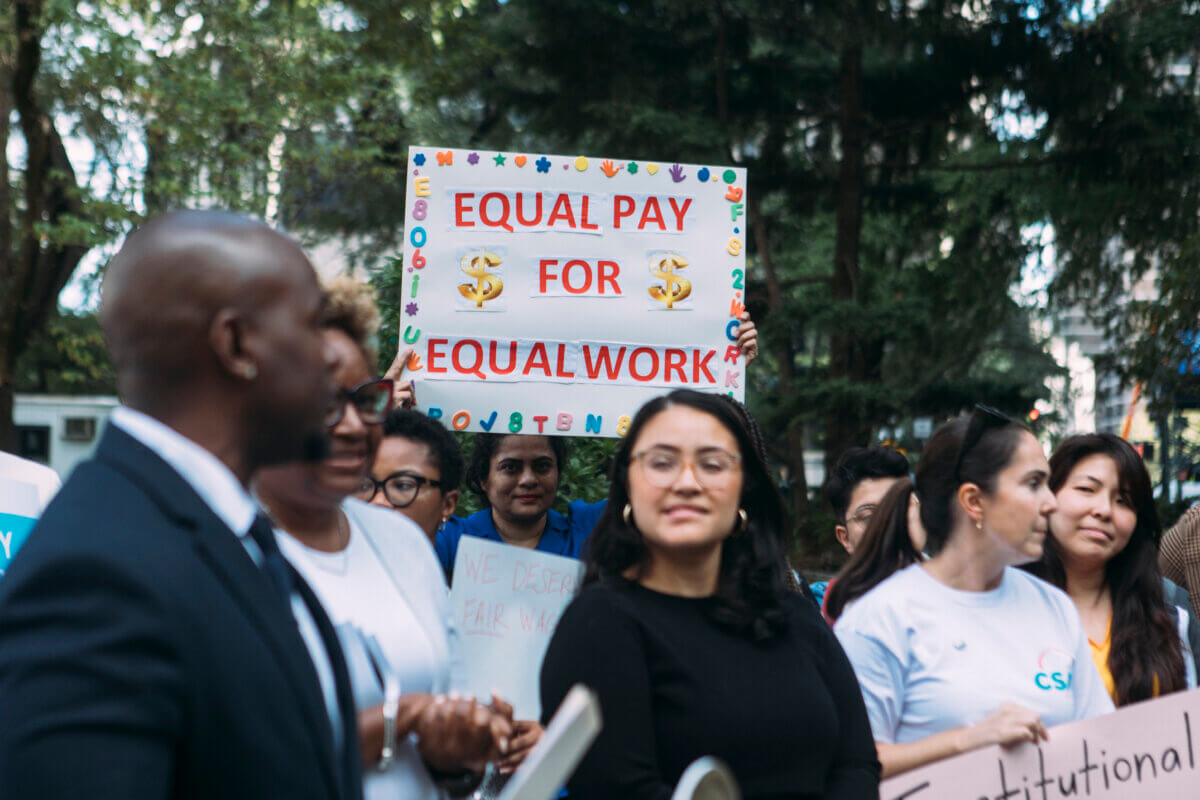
(377, 577)
(1103, 551)
(688, 631)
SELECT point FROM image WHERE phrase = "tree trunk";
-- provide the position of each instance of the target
(8, 438)
(795, 428)
(34, 268)
(844, 426)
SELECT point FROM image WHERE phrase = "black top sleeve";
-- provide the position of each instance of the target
(785, 714)
(599, 645)
(854, 773)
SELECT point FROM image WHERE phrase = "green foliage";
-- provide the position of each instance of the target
(891, 192)
(1122, 184)
(66, 357)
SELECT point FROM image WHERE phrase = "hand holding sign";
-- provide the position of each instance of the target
(506, 603)
(455, 732)
(1147, 750)
(526, 733)
(747, 337)
(403, 393)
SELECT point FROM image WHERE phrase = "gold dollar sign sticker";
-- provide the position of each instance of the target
(487, 286)
(674, 288)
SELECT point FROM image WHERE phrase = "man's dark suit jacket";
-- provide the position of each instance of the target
(144, 655)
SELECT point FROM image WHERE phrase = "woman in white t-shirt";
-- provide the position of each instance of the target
(962, 650)
(381, 584)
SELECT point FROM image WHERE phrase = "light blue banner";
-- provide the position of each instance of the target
(14, 530)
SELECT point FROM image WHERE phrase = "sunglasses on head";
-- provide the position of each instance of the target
(983, 419)
(372, 401)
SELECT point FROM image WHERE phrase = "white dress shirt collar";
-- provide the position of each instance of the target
(216, 484)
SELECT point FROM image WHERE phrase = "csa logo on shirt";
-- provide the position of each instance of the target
(1054, 670)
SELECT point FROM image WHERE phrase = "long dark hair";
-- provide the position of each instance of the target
(885, 548)
(752, 591)
(486, 445)
(967, 449)
(1144, 644)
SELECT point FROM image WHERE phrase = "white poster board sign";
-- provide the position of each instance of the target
(1147, 750)
(506, 602)
(19, 510)
(556, 294)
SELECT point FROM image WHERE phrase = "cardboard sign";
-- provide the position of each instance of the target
(506, 602)
(19, 510)
(1148, 750)
(555, 295)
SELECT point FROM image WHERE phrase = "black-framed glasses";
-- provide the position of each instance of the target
(983, 419)
(400, 488)
(372, 400)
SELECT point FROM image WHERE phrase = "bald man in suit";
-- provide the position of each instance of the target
(153, 642)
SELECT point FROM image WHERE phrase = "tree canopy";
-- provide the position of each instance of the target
(903, 158)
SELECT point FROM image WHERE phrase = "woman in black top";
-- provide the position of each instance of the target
(687, 631)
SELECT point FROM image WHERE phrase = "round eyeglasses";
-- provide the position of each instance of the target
(400, 488)
(372, 401)
(713, 467)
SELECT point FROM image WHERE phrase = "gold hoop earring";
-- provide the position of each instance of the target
(744, 524)
(627, 515)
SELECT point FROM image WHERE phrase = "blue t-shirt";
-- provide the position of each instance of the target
(564, 535)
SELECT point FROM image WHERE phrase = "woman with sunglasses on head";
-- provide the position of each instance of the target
(963, 650)
(376, 576)
(688, 631)
(1103, 551)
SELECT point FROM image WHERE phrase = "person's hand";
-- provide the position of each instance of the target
(403, 393)
(747, 337)
(526, 733)
(455, 734)
(1008, 725)
(370, 724)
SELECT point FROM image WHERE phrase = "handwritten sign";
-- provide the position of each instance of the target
(1148, 750)
(19, 510)
(529, 277)
(506, 603)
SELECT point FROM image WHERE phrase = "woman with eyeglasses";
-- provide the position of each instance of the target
(517, 476)
(688, 631)
(1103, 552)
(377, 577)
(888, 545)
(417, 469)
(963, 650)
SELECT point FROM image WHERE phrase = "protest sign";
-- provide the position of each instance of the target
(506, 603)
(19, 509)
(1147, 750)
(555, 295)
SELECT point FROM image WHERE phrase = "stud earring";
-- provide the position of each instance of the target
(249, 372)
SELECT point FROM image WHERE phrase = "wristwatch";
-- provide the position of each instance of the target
(391, 708)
